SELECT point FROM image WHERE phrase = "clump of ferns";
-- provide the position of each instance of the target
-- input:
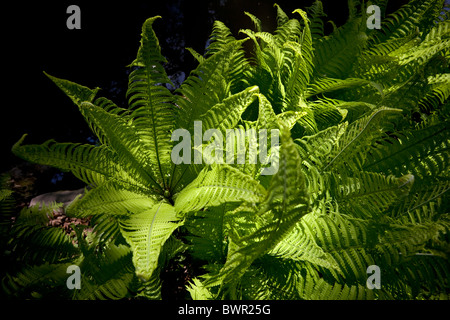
(360, 182)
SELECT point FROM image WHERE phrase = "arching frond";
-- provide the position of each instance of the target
(357, 134)
(284, 204)
(146, 233)
(218, 184)
(408, 18)
(110, 278)
(282, 17)
(152, 104)
(334, 55)
(208, 84)
(421, 152)
(125, 140)
(109, 198)
(369, 194)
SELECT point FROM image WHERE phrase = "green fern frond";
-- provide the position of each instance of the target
(437, 96)
(324, 290)
(336, 110)
(325, 85)
(198, 291)
(113, 289)
(369, 194)
(74, 91)
(152, 103)
(424, 203)
(146, 233)
(150, 289)
(79, 94)
(37, 280)
(288, 32)
(290, 118)
(420, 152)
(335, 54)
(315, 11)
(345, 241)
(422, 276)
(256, 21)
(286, 202)
(5, 194)
(327, 115)
(109, 279)
(125, 140)
(90, 164)
(218, 184)
(109, 198)
(299, 245)
(226, 114)
(267, 119)
(282, 17)
(296, 74)
(325, 149)
(405, 20)
(271, 279)
(208, 231)
(360, 132)
(106, 229)
(208, 84)
(196, 55)
(220, 37)
(305, 41)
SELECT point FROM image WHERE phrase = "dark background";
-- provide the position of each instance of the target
(36, 39)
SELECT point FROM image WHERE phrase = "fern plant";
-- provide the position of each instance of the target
(361, 179)
(130, 173)
(361, 175)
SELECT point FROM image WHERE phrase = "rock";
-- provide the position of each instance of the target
(65, 197)
(55, 223)
(59, 218)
